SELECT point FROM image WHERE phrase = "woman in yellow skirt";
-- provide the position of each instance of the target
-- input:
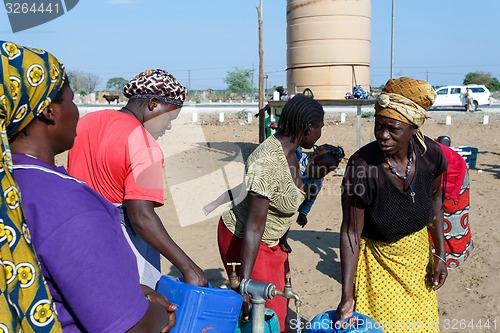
(391, 197)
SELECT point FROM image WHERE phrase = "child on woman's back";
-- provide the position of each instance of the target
(313, 166)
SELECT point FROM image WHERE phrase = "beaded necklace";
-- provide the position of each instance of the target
(408, 168)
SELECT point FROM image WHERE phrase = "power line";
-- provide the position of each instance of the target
(438, 66)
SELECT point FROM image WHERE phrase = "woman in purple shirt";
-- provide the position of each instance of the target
(87, 264)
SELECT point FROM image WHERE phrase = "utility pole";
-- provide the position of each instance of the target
(189, 79)
(261, 77)
(392, 37)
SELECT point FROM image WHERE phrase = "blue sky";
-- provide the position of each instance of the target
(441, 40)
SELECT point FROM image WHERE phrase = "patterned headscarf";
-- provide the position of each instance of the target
(406, 100)
(29, 80)
(158, 84)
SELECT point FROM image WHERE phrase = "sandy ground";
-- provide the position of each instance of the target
(202, 159)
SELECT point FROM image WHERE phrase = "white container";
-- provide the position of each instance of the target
(221, 117)
(342, 117)
(486, 119)
(250, 117)
(276, 96)
(195, 117)
(448, 120)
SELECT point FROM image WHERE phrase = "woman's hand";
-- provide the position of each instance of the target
(163, 300)
(160, 315)
(344, 311)
(245, 307)
(440, 274)
(196, 277)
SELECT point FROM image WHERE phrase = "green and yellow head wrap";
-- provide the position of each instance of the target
(29, 80)
(406, 100)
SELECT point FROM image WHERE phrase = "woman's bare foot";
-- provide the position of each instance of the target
(284, 246)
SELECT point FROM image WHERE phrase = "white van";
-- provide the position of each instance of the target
(451, 96)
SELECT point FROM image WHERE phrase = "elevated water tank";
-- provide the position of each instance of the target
(328, 46)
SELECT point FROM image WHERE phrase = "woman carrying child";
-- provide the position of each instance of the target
(314, 167)
(249, 232)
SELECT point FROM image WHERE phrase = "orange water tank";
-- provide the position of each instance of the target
(328, 46)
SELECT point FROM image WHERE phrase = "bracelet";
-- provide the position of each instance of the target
(148, 298)
(435, 255)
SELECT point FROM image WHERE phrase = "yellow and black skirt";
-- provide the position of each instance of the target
(390, 284)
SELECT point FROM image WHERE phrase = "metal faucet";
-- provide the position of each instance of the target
(233, 278)
(288, 293)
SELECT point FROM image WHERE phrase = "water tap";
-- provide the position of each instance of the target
(289, 293)
(233, 278)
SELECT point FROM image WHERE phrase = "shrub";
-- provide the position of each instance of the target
(242, 114)
(368, 114)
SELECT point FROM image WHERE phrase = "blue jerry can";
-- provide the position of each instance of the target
(199, 309)
(325, 323)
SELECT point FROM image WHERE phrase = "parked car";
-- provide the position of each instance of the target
(454, 96)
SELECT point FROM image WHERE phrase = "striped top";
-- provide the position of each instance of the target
(267, 174)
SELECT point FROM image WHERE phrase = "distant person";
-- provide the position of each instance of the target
(249, 232)
(391, 197)
(86, 262)
(281, 91)
(469, 100)
(116, 153)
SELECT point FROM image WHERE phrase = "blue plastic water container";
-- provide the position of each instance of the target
(271, 324)
(210, 310)
(325, 323)
(469, 154)
(466, 154)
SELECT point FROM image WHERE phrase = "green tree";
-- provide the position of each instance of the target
(116, 83)
(485, 78)
(239, 80)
